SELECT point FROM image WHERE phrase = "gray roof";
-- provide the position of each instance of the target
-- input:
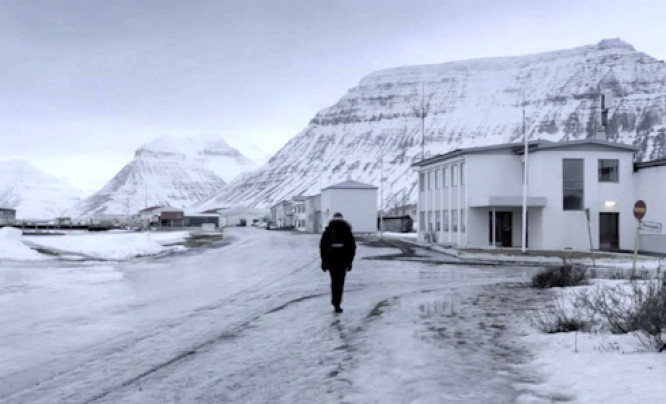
(652, 163)
(350, 184)
(534, 145)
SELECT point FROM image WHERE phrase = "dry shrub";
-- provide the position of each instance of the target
(562, 276)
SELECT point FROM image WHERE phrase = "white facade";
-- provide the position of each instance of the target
(650, 187)
(313, 221)
(462, 193)
(300, 215)
(356, 201)
(282, 214)
(241, 215)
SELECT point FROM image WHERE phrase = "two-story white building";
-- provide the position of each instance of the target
(473, 197)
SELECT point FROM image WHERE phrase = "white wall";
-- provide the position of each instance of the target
(650, 186)
(568, 229)
(358, 206)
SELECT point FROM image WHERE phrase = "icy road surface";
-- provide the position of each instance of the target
(251, 322)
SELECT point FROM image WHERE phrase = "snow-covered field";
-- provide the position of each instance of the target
(251, 322)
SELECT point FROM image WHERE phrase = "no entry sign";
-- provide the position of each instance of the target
(639, 209)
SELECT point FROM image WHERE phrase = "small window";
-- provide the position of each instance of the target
(437, 179)
(429, 180)
(437, 220)
(609, 170)
(429, 220)
(446, 177)
(454, 175)
(446, 220)
(454, 220)
(462, 220)
(462, 173)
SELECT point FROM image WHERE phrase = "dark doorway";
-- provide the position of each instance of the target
(503, 229)
(609, 234)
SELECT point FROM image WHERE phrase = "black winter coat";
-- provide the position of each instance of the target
(337, 246)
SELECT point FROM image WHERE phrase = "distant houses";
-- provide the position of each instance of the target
(355, 200)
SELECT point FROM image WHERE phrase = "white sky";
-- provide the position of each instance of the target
(84, 83)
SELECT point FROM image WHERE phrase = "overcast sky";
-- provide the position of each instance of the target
(84, 83)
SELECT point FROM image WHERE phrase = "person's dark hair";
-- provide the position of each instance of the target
(337, 214)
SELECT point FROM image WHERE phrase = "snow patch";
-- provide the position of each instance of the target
(12, 248)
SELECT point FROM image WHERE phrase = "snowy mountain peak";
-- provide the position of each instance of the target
(168, 171)
(377, 126)
(615, 43)
(33, 193)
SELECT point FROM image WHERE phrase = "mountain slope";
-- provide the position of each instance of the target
(377, 125)
(167, 171)
(33, 193)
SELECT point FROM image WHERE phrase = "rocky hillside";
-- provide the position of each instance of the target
(377, 127)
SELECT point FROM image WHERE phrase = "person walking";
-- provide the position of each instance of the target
(337, 249)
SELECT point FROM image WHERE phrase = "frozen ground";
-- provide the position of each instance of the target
(251, 322)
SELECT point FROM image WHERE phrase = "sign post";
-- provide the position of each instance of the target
(639, 213)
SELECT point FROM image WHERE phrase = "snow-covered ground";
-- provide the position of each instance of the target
(251, 322)
(77, 245)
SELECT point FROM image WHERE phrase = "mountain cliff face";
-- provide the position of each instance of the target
(377, 127)
(167, 171)
(33, 193)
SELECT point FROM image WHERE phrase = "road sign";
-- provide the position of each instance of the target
(639, 209)
(650, 226)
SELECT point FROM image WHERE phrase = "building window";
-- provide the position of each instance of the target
(445, 177)
(454, 175)
(462, 173)
(446, 220)
(462, 220)
(454, 220)
(437, 179)
(438, 214)
(422, 182)
(422, 225)
(609, 170)
(429, 220)
(573, 184)
(429, 180)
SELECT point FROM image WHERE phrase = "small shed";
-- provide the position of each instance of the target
(397, 224)
(7, 215)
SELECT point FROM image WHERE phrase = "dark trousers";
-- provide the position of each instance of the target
(337, 284)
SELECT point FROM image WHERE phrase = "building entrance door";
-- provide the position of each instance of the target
(609, 233)
(503, 229)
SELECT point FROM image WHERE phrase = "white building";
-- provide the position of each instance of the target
(356, 201)
(242, 216)
(282, 214)
(473, 197)
(300, 215)
(313, 220)
(650, 187)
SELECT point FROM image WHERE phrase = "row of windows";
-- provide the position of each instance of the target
(448, 176)
(573, 180)
(439, 220)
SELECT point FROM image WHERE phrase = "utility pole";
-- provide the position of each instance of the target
(524, 232)
(422, 122)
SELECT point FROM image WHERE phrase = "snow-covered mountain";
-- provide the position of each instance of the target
(33, 193)
(167, 171)
(377, 125)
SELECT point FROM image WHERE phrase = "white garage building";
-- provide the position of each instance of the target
(356, 201)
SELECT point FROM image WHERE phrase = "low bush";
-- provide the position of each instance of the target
(562, 276)
(556, 318)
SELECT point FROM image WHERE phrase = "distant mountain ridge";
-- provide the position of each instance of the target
(377, 127)
(33, 193)
(167, 171)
